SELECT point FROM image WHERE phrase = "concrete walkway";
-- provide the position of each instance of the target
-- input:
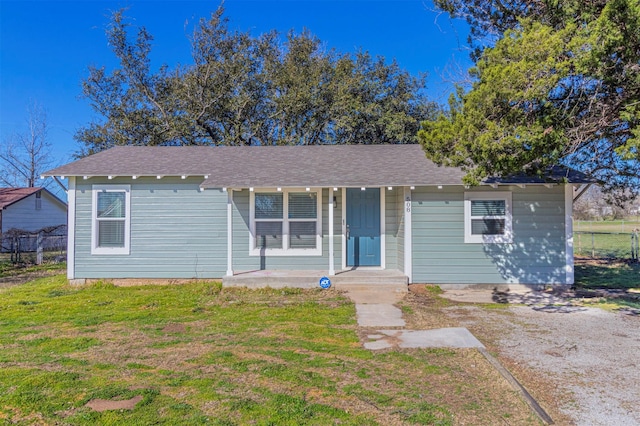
(375, 308)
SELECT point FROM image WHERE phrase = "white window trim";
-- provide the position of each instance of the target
(507, 237)
(94, 220)
(285, 250)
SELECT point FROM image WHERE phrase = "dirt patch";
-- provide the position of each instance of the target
(106, 404)
(26, 277)
(174, 328)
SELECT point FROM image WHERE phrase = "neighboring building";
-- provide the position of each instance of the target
(30, 209)
(214, 212)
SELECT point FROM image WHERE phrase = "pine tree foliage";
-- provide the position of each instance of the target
(560, 84)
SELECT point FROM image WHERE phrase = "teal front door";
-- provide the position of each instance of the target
(363, 227)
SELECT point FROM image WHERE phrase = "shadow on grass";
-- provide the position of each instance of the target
(610, 274)
(613, 281)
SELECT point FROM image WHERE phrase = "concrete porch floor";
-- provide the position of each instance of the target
(391, 279)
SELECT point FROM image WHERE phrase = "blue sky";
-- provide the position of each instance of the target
(47, 46)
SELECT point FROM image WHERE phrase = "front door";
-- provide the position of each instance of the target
(363, 227)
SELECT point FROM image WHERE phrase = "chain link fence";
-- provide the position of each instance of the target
(609, 245)
(35, 247)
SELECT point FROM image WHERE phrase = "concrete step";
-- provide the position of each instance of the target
(302, 281)
(384, 279)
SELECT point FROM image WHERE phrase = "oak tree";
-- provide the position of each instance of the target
(242, 89)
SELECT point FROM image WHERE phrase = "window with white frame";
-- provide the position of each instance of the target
(286, 222)
(111, 216)
(487, 217)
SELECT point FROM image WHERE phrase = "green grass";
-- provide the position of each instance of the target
(200, 354)
(8, 269)
(612, 276)
(604, 239)
(594, 276)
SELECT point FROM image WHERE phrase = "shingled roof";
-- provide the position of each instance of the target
(273, 166)
(10, 196)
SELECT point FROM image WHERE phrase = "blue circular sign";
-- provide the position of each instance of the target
(325, 282)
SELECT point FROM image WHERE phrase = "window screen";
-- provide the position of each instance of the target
(302, 205)
(487, 217)
(111, 233)
(488, 208)
(487, 226)
(268, 235)
(269, 206)
(302, 235)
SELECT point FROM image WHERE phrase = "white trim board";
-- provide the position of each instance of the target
(408, 243)
(568, 229)
(71, 229)
(125, 250)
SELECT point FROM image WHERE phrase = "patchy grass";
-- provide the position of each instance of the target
(199, 354)
(9, 269)
(609, 284)
(607, 274)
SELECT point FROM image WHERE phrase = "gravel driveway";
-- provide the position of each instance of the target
(591, 357)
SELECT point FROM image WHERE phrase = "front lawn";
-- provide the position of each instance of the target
(197, 354)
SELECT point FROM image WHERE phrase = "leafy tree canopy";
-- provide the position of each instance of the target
(245, 90)
(561, 84)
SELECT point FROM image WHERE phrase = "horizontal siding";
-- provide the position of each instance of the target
(537, 254)
(177, 231)
(23, 214)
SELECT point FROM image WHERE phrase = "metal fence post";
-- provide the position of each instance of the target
(635, 246)
(39, 248)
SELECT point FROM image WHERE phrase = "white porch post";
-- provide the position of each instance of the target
(383, 227)
(229, 232)
(71, 229)
(344, 227)
(408, 265)
(332, 267)
(568, 229)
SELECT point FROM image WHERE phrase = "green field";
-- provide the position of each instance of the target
(604, 239)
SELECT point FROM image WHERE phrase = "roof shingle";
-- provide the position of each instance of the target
(9, 196)
(272, 166)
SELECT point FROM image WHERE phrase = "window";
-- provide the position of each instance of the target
(111, 219)
(487, 217)
(39, 200)
(286, 223)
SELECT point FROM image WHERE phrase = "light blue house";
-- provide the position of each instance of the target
(175, 213)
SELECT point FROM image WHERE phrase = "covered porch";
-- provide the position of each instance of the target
(354, 235)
